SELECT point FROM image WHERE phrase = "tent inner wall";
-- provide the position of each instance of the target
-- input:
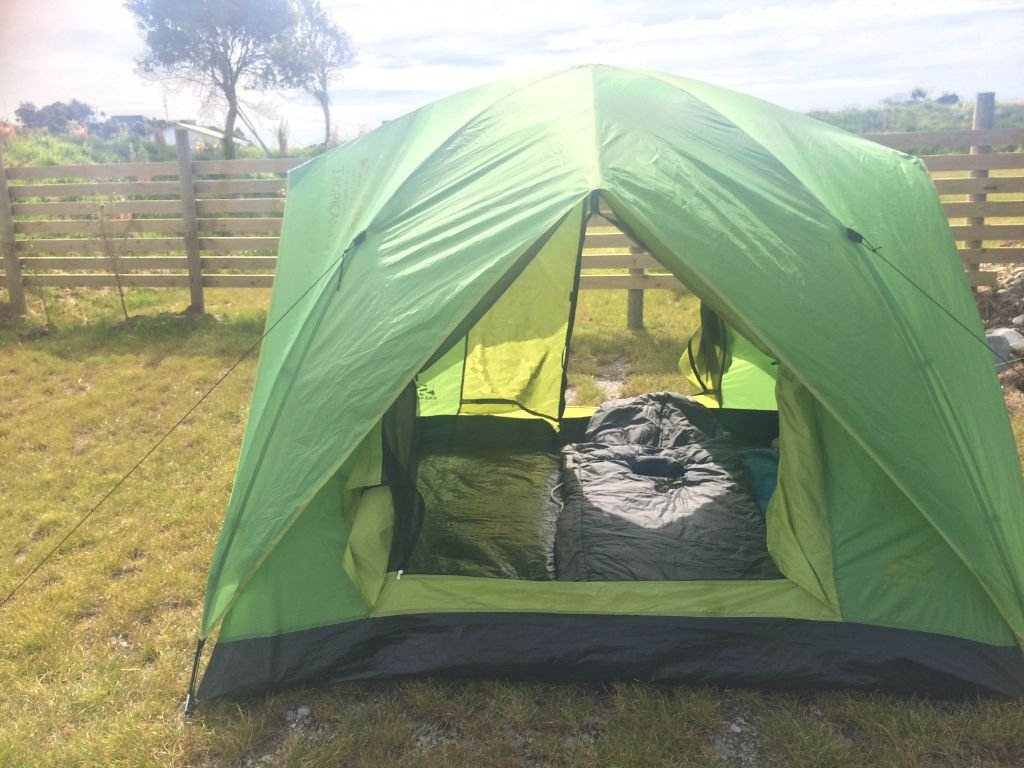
(513, 358)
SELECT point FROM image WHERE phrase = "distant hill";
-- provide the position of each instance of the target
(918, 116)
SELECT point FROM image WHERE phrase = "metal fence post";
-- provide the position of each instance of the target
(190, 219)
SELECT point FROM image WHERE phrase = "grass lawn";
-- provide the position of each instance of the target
(96, 649)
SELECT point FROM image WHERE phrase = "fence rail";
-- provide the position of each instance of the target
(215, 223)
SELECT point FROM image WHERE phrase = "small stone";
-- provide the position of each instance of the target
(1018, 320)
(298, 717)
(735, 728)
(36, 333)
(723, 747)
(1000, 350)
(1013, 338)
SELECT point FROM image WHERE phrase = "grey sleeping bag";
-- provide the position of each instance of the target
(657, 494)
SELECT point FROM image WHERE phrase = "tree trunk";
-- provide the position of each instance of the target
(325, 105)
(228, 142)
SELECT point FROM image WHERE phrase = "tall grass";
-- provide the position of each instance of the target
(40, 148)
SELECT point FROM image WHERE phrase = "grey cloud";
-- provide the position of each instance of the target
(374, 97)
(410, 59)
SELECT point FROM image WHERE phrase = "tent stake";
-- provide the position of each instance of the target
(190, 697)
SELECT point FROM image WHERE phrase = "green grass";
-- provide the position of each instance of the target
(96, 649)
(608, 359)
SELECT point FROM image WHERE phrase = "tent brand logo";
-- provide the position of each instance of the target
(336, 200)
(425, 392)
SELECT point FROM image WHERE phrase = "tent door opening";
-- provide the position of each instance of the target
(512, 484)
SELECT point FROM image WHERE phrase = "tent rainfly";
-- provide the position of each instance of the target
(414, 496)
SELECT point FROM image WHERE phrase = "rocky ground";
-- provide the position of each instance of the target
(1001, 306)
(1002, 312)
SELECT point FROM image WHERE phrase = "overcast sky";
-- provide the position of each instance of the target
(803, 55)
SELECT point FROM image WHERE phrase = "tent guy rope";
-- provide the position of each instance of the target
(59, 545)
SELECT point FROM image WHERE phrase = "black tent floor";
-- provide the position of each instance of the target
(735, 652)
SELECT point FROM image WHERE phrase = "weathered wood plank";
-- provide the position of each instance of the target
(239, 262)
(229, 167)
(629, 282)
(238, 243)
(189, 216)
(989, 209)
(990, 279)
(984, 117)
(128, 262)
(998, 137)
(209, 187)
(91, 245)
(94, 226)
(237, 226)
(992, 255)
(124, 188)
(623, 260)
(99, 281)
(990, 185)
(990, 162)
(979, 232)
(145, 244)
(92, 208)
(240, 205)
(8, 250)
(238, 281)
(635, 303)
(607, 238)
(95, 171)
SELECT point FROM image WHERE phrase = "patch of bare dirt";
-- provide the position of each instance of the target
(1012, 382)
(1000, 305)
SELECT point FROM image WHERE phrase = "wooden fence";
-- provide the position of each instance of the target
(215, 223)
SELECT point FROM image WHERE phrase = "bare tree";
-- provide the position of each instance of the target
(219, 46)
(319, 48)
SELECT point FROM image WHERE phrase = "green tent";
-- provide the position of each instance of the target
(425, 295)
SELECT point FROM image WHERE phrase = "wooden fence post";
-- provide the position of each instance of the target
(190, 219)
(12, 265)
(635, 299)
(984, 117)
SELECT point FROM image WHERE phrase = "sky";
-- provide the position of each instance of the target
(802, 55)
